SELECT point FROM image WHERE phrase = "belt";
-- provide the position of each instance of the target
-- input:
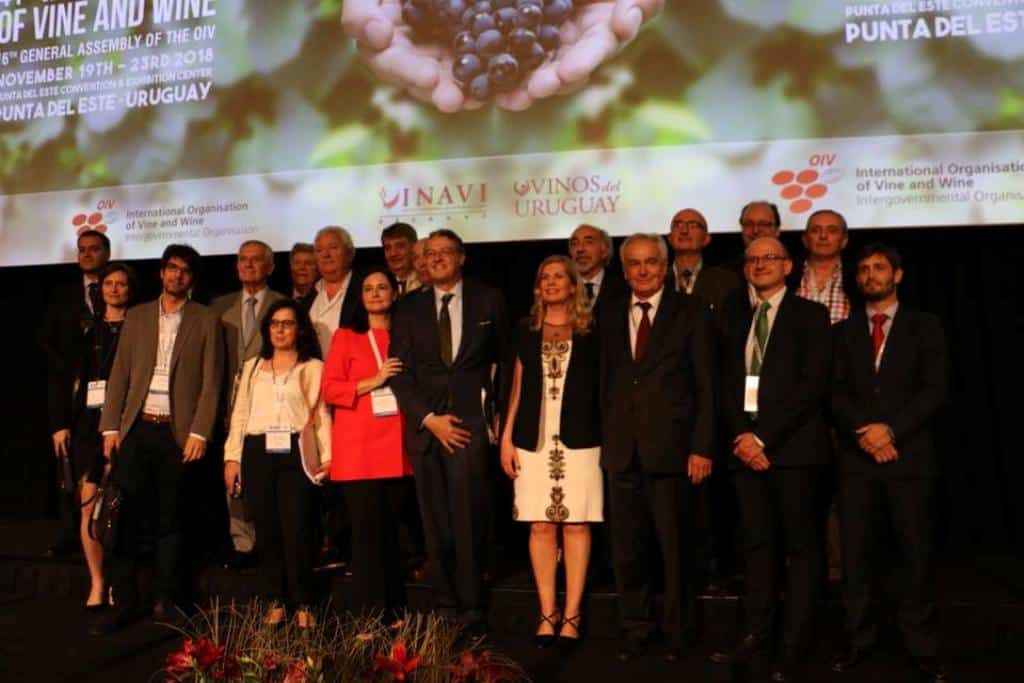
(155, 419)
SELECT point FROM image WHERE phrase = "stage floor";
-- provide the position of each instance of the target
(43, 629)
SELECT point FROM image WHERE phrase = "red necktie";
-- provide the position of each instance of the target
(877, 333)
(643, 331)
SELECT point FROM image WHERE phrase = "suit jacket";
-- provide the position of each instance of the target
(794, 383)
(714, 286)
(348, 305)
(580, 419)
(905, 393)
(465, 389)
(66, 320)
(228, 309)
(849, 280)
(195, 371)
(613, 286)
(661, 408)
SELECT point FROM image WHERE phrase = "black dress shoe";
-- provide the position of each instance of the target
(931, 669)
(747, 649)
(850, 660)
(673, 653)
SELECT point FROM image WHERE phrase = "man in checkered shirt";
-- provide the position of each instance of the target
(822, 278)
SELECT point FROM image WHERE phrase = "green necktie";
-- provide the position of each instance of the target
(761, 337)
(444, 330)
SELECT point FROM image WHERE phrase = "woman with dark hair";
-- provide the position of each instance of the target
(118, 289)
(551, 444)
(278, 398)
(371, 459)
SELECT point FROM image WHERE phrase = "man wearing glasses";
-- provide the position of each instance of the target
(452, 340)
(757, 219)
(158, 414)
(774, 388)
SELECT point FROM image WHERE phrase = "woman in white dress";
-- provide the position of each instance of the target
(550, 446)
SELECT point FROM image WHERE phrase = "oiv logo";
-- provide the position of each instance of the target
(105, 213)
(802, 187)
(433, 203)
(579, 195)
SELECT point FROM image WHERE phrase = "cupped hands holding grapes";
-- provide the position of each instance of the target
(458, 54)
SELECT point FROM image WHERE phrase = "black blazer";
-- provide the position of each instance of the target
(663, 407)
(849, 280)
(613, 286)
(714, 286)
(580, 423)
(794, 383)
(906, 392)
(348, 305)
(62, 337)
(426, 385)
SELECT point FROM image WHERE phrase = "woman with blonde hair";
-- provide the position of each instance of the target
(550, 446)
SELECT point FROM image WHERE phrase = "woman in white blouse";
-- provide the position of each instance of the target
(279, 443)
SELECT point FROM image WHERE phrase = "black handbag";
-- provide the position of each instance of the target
(106, 514)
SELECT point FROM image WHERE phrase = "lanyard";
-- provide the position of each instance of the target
(376, 350)
(280, 396)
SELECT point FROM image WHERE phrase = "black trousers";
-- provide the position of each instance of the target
(378, 576)
(453, 496)
(149, 471)
(279, 500)
(908, 506)
(778, 518)
(645, 507)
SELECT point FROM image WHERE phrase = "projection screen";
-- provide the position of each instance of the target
(215, 121)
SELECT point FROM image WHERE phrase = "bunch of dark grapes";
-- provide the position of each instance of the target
(497, 43)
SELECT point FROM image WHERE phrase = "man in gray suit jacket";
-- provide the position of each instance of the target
(240, 314)
(159, 412)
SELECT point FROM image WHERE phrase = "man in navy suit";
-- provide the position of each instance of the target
(889, 382)
(453, 341)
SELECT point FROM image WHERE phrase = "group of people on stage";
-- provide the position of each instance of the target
(620, 398)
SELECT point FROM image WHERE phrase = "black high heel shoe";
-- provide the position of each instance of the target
(543, 640)
(569, 644)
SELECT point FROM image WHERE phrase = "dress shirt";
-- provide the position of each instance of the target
(636, 314)
(831, 293)
(86, 281)
(325, 313)
(260, 297)
(454, 312)
(886, 326)
(755, 303)
(596, 281)
(159, 403)
(693, 275)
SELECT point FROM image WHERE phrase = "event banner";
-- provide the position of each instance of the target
(215, 121)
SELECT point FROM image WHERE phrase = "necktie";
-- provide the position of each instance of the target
(760, 337)
(444, 330)
(685, 276)
(94, 298)
(249, 324)
(643, 330)
(590, 291)
(878, 333)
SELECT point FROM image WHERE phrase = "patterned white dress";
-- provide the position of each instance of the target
(557, 483)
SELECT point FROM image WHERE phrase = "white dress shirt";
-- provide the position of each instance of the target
(636, 314)
(693, 275)
(454, 311)
(886, 326)
(325, 313)
(159, 402)
(86, 281)
(755, 303)
(596, 280)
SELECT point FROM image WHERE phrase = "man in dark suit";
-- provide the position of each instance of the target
(302, 264)
(240, 314)
(590, 248)
(775, 381)
(452, 340)
(657, 396)
(159, 412)
(69, 314)
(890, 379)
(715, 509)
(758, 219)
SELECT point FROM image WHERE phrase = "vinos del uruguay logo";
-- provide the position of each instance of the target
(804, 186)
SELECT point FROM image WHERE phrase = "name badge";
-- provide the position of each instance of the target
(750, 393)
(95, 393)
(279, 441)
(383, 402)
(161, 383)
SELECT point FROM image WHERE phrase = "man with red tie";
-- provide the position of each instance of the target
(658, 407)
(889, 381)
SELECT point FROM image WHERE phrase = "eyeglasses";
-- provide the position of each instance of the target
(760, 225)
(283, 324)
(767, 258)
(175, 268)
(444, 251)
(689, 225)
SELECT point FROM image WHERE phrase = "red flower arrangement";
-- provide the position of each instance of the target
(399, 665)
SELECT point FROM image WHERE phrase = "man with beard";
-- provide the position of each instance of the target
(590, 248)
(889, 381)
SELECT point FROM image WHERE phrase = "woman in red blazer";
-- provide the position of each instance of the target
(368, 455)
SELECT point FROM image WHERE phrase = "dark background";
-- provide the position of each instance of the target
(968, 276)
